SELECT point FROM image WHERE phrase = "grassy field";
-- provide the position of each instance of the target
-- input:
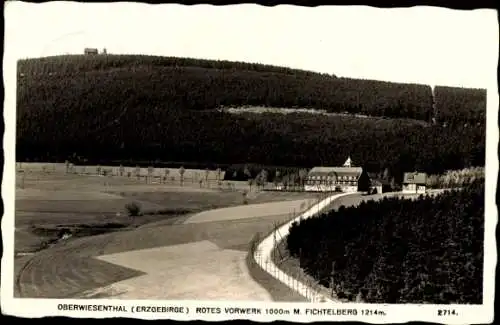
(50, 203)
(109, 264)
(308, 110)
(189, 175)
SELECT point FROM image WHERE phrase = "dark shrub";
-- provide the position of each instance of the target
(133, 209)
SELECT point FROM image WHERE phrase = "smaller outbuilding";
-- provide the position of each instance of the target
(376, 187)
(415, 182)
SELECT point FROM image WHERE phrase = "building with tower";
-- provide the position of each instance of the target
(347, 178)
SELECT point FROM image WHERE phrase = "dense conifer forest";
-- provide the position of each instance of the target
(396, 250)
(459, 106)
(110, 109)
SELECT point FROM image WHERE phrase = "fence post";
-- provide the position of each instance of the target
(332, 279)
(294, 281)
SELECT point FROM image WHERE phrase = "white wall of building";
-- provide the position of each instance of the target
(319, 188)
(414, 188)
(349, 188)
(409, 188)
(421, 189)
(331, 188)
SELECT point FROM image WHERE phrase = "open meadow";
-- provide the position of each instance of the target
(49, 202)
(71, 225)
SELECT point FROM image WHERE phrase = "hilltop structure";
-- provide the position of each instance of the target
(90, 51)
(329, 179)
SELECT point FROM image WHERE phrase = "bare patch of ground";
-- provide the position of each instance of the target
(198, 270)
(251, 211)
(303, 110)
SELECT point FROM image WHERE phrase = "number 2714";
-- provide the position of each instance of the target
(447, 312)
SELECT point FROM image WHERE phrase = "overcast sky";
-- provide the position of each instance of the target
(420, 44)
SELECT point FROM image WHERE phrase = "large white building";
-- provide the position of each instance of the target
(331, 179)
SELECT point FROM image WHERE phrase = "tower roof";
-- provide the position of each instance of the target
(348, 162)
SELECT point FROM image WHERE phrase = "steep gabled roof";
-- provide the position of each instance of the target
(354, 171)
(415, 178)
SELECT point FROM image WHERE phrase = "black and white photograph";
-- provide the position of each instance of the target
(208, 162)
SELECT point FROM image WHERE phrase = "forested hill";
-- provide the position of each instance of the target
(179, 83)
(125, 107)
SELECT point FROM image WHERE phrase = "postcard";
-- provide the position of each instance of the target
(335, 163)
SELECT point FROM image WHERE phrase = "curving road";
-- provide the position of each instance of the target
(262, 255)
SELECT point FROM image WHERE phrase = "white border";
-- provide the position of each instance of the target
(394, 313)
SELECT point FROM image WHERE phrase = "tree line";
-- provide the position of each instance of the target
(271, 140)
(456, 178)
(75, 64)
(428, 250)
